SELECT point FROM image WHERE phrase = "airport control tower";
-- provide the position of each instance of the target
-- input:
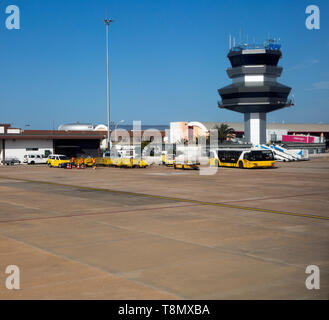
(254, 90)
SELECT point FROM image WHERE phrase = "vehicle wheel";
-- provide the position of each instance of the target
(241, 165)
(32, 162)
(175, 166)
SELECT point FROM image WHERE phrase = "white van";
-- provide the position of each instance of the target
(35, 159)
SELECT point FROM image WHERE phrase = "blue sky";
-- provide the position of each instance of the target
(168, 58)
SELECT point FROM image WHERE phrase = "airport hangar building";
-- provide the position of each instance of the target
(15, 143)
(72, 142)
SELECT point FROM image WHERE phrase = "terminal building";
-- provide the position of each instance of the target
(314, 137)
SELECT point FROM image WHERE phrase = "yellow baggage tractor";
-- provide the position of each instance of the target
(187, 160)
(140, 163)
(187, 165)
(107, 162)
(132, 163)
(88, 162)
(169, 160)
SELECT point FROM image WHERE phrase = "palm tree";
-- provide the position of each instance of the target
(224, 132)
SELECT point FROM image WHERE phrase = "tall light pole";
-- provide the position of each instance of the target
(107, 24)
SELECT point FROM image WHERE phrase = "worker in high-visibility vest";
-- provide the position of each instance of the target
(82, 163)
(94, 163)
(72, 162)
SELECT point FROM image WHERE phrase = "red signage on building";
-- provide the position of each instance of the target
(303, 139)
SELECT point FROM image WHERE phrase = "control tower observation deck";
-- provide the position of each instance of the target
(255, 90)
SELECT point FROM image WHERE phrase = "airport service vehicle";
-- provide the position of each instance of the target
(278, 155)
(189, 157)
(169, 160)
(294, 154)
(283, 154)
(35, 159)
(186, 161)
(87, 161)
(10, 161)
(58, 160)
(301, 154)
(125, 157)
(186, 165)
(241, 158)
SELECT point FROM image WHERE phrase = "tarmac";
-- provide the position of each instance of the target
(160, 233)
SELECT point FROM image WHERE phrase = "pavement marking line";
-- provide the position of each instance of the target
(278, 198)
(97, 214)
(129, 193)
(18, 205)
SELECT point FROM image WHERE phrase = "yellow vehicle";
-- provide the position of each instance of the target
(131, 163)
(186, 161)
(87, 162)
(187, 165)
(126, 158)
(139, 163)
(239, 158)
(107, 161)
(58, 161)
(169, 160)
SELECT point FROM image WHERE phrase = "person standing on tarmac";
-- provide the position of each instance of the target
(81, 163)
(72, 162)
(94, 163)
